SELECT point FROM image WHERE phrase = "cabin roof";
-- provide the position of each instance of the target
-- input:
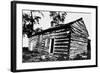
(61, 26)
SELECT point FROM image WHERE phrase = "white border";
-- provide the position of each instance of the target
(37, 65)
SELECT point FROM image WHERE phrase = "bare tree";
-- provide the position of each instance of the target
(29, 20)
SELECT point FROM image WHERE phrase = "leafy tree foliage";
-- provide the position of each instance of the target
(29, 20)
(57, 17)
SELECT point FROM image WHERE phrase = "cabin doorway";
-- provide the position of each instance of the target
(51, 45)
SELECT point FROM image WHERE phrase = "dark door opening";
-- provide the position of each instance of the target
(52, 45)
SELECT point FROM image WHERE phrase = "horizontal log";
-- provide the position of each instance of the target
(62, 37)
(65, 42)
(78, 47)
(60, 50)
(61, 30)
(61, 47)
(62, 40)
(60, 53)
(78, 43)
(61, 44)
